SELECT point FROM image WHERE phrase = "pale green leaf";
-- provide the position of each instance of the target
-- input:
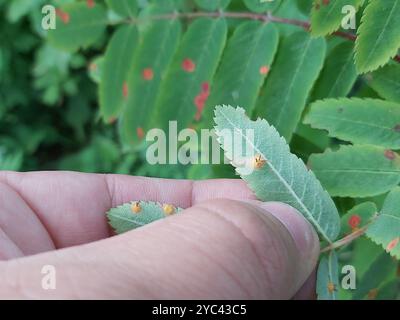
(385, 230)
(378, 36)
(78, 25)
(338, 75)
(364, 121)
(299, 60)
(328, 276)
(326, 16)
(136, 214)
(386, 82)
(124, 8)
(357, 171)
(113, 88)
(212, 5)
(152, 58)
(245, 64)
(95, 68)
(187, 83)
(281, 176)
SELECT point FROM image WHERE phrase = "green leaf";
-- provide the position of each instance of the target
(260, 6)
(113, 87)
(385, 81)
(378, 36)
(95, 69)
(328, 276)
(212, 5)
(150, 63)
(383, 268)
(326, 16)
(124, 8)
(338, 75)
(187, 83)
(136, 214)
(298, 63)
(357, 218)
(244, 66)
(278, 175)
(78, 25)
(385, 230)
(364, 121)
(305, 6)
(357, 171)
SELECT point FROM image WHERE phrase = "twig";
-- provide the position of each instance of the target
(346, 240)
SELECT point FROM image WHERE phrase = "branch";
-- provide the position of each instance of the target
(246, 15)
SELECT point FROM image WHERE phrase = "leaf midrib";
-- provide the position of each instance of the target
(286, 185)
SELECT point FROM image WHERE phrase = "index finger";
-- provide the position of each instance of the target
(72, 205)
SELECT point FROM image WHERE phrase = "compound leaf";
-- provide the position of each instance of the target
(78, 25)
(357, 171)
(158, 44)
(116, 65)
(338, 75)
(326, 16)
(271, 171)
(364, 121)
(385, 230)
(299, 60)
(378, 36)
(385, 81)
(187, 84)
(244, 66)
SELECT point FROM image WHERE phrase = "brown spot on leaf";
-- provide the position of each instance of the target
(331, 287)
(188, 65)
(340, 110)
(259, 162)
(112, 120)
(325, 2)
(397, 127)
(389, 154)
(92, 66)
(148, 74)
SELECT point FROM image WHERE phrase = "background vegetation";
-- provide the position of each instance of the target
(82, 97)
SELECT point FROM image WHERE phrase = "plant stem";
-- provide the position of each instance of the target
(246, 15)
(346, 240)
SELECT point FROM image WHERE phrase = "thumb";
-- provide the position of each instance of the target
(220, 249)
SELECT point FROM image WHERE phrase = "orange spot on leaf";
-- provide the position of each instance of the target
(125, 90)
(148, 74)
(354, 221)
(264, 70)
(331, 287)
(389, 154)
(325, 2)
(90, 3)
(392, 244)
(188, 65)
(140, 133)
(64, 16)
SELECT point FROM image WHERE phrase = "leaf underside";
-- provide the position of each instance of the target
(328, 276)
(283, 177)
(124, 218)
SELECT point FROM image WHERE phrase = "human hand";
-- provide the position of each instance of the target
(231, 248)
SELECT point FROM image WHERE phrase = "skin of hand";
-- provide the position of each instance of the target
(226, 245)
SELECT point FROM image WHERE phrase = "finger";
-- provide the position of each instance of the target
(217, 249)
(72, 206)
